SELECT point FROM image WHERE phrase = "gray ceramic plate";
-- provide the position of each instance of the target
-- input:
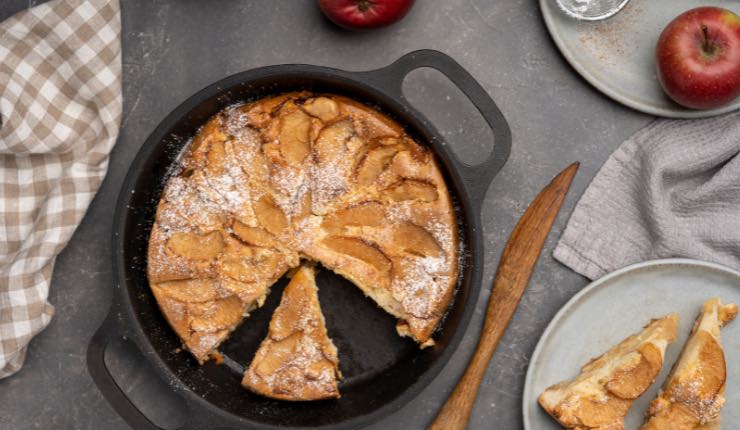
(617, 55)
(619, 304)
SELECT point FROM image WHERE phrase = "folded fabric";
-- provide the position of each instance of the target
(671, 190)
(60, 110)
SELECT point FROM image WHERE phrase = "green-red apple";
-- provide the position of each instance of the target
(698, 58)
(365, 14)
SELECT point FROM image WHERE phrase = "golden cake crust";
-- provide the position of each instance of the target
(296, 361)
(301, 175)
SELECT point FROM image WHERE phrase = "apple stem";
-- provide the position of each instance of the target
(705, 43)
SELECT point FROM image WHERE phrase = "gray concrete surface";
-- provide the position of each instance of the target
(171, 48)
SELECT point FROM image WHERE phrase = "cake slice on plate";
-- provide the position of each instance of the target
(692, 396)
(600, 397)
(297, 360)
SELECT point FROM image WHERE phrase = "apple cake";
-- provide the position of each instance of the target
(297, 360)
(693, 394)
(600, 397)
(301, 176)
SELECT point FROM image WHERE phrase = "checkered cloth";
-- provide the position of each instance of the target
(60, 110)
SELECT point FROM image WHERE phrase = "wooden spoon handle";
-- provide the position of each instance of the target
(455, 413)
(515, 268)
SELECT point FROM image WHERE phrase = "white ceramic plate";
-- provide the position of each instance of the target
(620, 304)
(617, 55)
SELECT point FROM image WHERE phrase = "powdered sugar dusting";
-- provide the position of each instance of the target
(399, 212)
(305, 232)
(689, 393)
(236, 124)
(422, 285)
(184, 209)
(291, 185)
(229, 173)
(328, 182)
(442, 234)
(229, 190)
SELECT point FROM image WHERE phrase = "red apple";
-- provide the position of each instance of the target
(698, 58)
(365, 14)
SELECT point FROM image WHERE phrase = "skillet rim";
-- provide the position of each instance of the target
(361, 81)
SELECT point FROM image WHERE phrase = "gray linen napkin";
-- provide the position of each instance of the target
(671, 190)
(60, 110)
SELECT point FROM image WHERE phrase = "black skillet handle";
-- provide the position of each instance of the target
(478, 177)
(199, 418)
(111, 329)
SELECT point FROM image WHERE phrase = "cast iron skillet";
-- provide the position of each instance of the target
(382, 371)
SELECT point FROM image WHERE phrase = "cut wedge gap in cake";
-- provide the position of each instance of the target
(693, 394)
(297, 361)
(600, 397)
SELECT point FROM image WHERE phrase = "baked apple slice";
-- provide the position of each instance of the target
(294, 136)
(410, 189)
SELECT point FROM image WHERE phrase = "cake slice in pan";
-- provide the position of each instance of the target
(692, 396)
(297, 360)
(600, 397)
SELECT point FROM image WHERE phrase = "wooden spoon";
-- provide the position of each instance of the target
(514, 270)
